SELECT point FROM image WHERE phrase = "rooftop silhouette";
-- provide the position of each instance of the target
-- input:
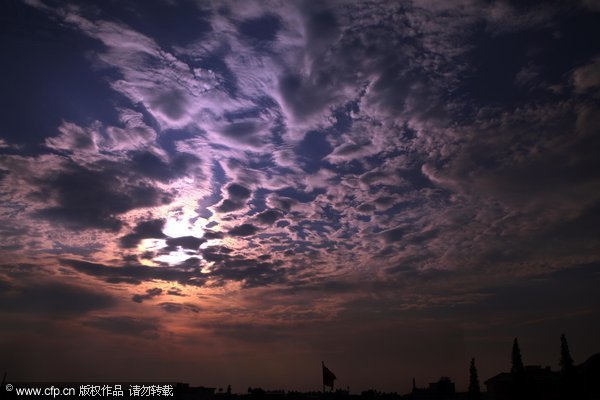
(531, 382)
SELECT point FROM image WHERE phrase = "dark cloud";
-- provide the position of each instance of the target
(53, 299)
(21, 271)
(306, 97)
(143, 230)
(125, 325)
(348, 148)
(174, 308)
(238, 192)
(228, 206)
(131, 258)
(175, 292)
(208, 234)
(185, 242)
(151, 166)
(237, 196)
(384, 201)
(263, 28)
(283, 203)
(394, 235)
(189, 263)
(243, 132)
(393, 87)
(90, 198)
(251, 272)
(216, 253)
(150, 293)
(269, 216)
(139, 273)
(171, 102)
(171, 308)
(366, 208)
(372, 177)
(321, 24)
(243, 230)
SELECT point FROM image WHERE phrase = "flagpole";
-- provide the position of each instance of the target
(323, 380)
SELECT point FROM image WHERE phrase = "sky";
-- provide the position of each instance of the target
(230, 192)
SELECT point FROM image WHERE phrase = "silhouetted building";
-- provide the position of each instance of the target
(443, 389)
(500, 386)
(588, 378)
(226, 395)
(545, 384)
(538, 383)
(183, 391)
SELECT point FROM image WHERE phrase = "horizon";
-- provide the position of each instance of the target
(230, 192)
(333, 389)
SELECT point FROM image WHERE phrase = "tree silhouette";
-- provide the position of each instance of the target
(520, 389)
(517, 361)
(566, 362)
(569, 388)
(474, 390)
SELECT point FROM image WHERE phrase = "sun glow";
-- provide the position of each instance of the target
(174, 257)
(180, 223)
(183, 226)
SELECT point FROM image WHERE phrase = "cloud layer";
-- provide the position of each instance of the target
(295, 163)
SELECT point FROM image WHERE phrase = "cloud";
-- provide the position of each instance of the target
(325, 136)
(53, 299)
(593, 5)
(171, 103)
(394, 235)
(152, 166)
(244, 132)
(586, 77)
(185, 242)
(175, 292)
(97, 141)
(94, 198)
(216, 253)
(139, 273)
(238, 192)
(208, 234)
(263, 28)
(150, 293)
(252, 273)
(125, 325)
(269, 217)
(305, 96)
(143, 230)
(243, 230)
(175, 308)
(281, 202)
(73, 138)
(237, 196)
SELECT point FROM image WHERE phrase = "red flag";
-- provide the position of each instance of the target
(328, 376)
